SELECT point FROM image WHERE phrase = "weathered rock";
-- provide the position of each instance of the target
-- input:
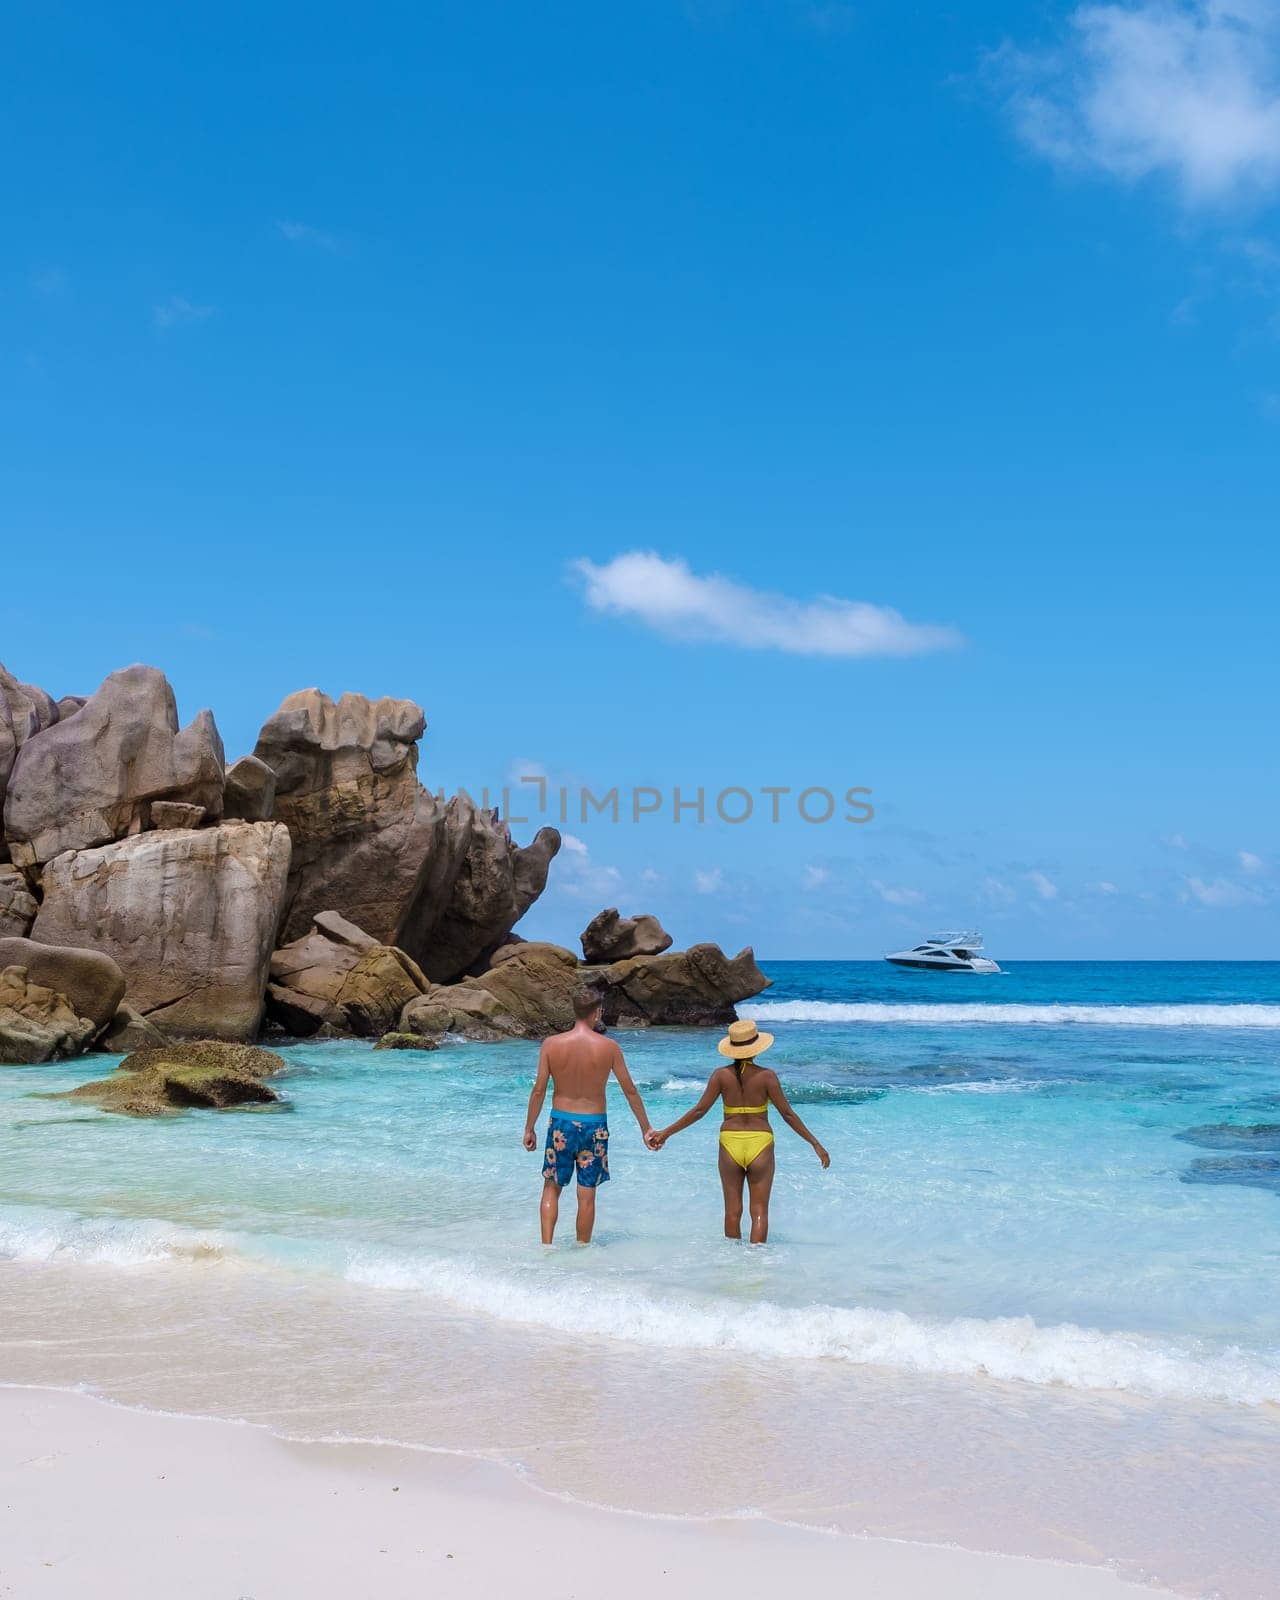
(89, 980)
(36, 1022)
(176, 814)
(69, 705)
(18, 906)
(337, 974)
(189, 916)
(406, 1041)
(442, 881)
(128, 1030)
(24, 712)
(205, 1073)
(495, 884)
(610, 937)
(526, 995)
(94, 778)
(346, 787)
(425, 1017)
(696, 987)
(250, 792)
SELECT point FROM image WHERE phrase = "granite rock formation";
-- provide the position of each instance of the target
(610, 937)
(189, 915)
(338, 975)
(442, 881)
(89, 981)
(36, 1022)
(93, 778)
(18, 906)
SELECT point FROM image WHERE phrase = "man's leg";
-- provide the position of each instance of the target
(549, 1210)
(586, 1213)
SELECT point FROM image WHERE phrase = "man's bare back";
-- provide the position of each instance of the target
(577, 1066)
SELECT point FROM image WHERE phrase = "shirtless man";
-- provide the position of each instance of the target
(578, 1064)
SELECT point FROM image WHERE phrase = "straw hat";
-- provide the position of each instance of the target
(744, 1040)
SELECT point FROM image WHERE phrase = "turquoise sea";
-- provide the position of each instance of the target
(1032, 1306)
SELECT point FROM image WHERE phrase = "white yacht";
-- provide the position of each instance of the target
(947, 952)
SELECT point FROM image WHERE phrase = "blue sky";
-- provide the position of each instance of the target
(550, 364)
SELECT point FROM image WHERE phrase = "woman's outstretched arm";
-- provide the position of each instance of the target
(787, 1112)
(708, 1098)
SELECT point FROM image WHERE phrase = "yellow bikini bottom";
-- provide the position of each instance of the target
(744, 1147)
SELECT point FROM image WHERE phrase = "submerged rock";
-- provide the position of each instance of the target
(93, 777)
(36, 1022)
(205, 1073)
(610, 937)
(407, 1041)
(190, 917)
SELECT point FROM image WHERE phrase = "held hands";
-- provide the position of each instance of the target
(654, 1139)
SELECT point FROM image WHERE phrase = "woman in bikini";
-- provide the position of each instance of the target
(746, 1141)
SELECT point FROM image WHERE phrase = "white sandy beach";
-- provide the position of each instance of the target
(111, 1503)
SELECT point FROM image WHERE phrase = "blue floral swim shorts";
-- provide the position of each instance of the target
(577, 1143)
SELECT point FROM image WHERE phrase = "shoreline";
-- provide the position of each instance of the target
(112, 1499)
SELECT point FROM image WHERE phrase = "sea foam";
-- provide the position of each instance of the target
(1008, 1348)
(945, 1014)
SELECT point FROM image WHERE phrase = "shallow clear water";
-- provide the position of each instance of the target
(1066, 1178)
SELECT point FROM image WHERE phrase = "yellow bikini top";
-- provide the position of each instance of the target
(746, 1111)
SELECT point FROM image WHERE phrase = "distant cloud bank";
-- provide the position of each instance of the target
(666, 596)
(1184, 89)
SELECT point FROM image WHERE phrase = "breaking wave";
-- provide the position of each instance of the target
(944, 1015)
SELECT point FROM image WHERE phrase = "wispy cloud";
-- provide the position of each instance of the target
(1218, 892)
(708, 882)
(815, 877)
(175, 311)
(49, 281)
(578, 875)
(667, 596)
(1252, 863)
(1045, 887)
(1188, 90)
(302, 233)
(894, 895)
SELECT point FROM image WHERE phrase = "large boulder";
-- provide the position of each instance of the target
(36, 1022)
(89, 980)
(24, 712)
(455, 927)
(250, 792)
(189, 915)
(442, 881)
(93, 777)
(697, 987)
(128, 1030)
(610, 937)
(346, 788)
(338, 975)
(205, 1073)
(527, 992)
(18, 906)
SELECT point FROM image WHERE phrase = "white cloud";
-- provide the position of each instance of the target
(1252, 863)
(666, 596)
(1104, 886)
(175, 310)
(999, 892)
(1218, 892)
(708, 882)
(1046, 888)
(578, 875)
(896, 896)
(304, 234)
(1183, 89)
(815, 877)
(650, 876)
